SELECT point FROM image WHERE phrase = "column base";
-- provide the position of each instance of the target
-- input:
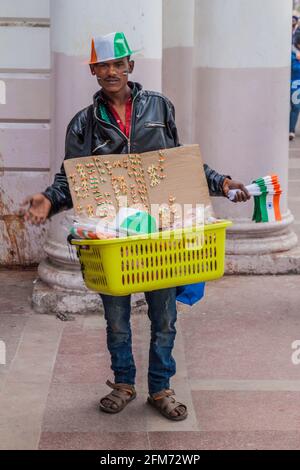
(54, 300)
(61, 290)
(263, 248)
(286, 262)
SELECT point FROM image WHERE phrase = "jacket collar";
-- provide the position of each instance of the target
(100, 97)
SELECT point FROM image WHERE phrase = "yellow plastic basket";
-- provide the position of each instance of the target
(142, 263)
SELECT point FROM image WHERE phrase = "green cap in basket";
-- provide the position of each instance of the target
(140, 222)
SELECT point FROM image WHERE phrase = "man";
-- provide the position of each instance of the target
(123, 119)
(295, 86)
(295, 26)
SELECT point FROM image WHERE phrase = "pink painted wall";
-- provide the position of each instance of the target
(24, 129)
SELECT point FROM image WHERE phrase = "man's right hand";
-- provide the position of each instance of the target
(38, 210)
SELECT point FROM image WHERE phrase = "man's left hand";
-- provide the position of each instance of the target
(242, 195)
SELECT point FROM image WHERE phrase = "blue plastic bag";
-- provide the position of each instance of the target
(191, 293)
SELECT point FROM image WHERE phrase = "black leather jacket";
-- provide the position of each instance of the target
(152, 127)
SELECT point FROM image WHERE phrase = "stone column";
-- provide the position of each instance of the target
(24, 124)
(178, 47)
(241, 83)
(73, 24)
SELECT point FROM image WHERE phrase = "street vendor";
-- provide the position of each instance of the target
(125, 119)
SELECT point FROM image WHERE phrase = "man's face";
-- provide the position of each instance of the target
(112, 75)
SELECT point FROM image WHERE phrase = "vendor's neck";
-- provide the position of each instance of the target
(118, 98)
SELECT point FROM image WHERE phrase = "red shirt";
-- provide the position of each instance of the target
(124, 127)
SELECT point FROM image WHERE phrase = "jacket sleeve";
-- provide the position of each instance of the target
(59, 193)
(171, 123)
(214, 181)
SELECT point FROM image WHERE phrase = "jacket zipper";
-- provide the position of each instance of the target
(132, 112)
(154, 124)
(110, 124)
(117, 128)
(100, 146)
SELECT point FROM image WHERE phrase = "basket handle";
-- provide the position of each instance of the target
(70, 238)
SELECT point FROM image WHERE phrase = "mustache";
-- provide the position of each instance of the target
(126, 72)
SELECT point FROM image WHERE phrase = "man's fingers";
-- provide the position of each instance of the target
(35, 220)
(241, 196)
(246, 192)
(241, 192)
(225, 189)
(30, 217)
(23, 209)
(37, 211)
(41, 220)
(26, 201)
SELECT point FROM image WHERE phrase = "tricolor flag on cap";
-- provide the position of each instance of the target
(110, 47)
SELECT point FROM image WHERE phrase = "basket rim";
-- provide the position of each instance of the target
(155, 235)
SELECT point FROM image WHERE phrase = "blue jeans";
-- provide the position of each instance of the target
(162, 314)
(294, 113)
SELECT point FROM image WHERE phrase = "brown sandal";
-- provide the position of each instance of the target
(121, 395)
(164, 402)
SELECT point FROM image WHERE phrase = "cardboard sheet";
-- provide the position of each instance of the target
(167, 176)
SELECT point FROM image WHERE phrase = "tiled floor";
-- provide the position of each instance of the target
(234, 371)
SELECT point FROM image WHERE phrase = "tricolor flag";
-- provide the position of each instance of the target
(266, 192)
